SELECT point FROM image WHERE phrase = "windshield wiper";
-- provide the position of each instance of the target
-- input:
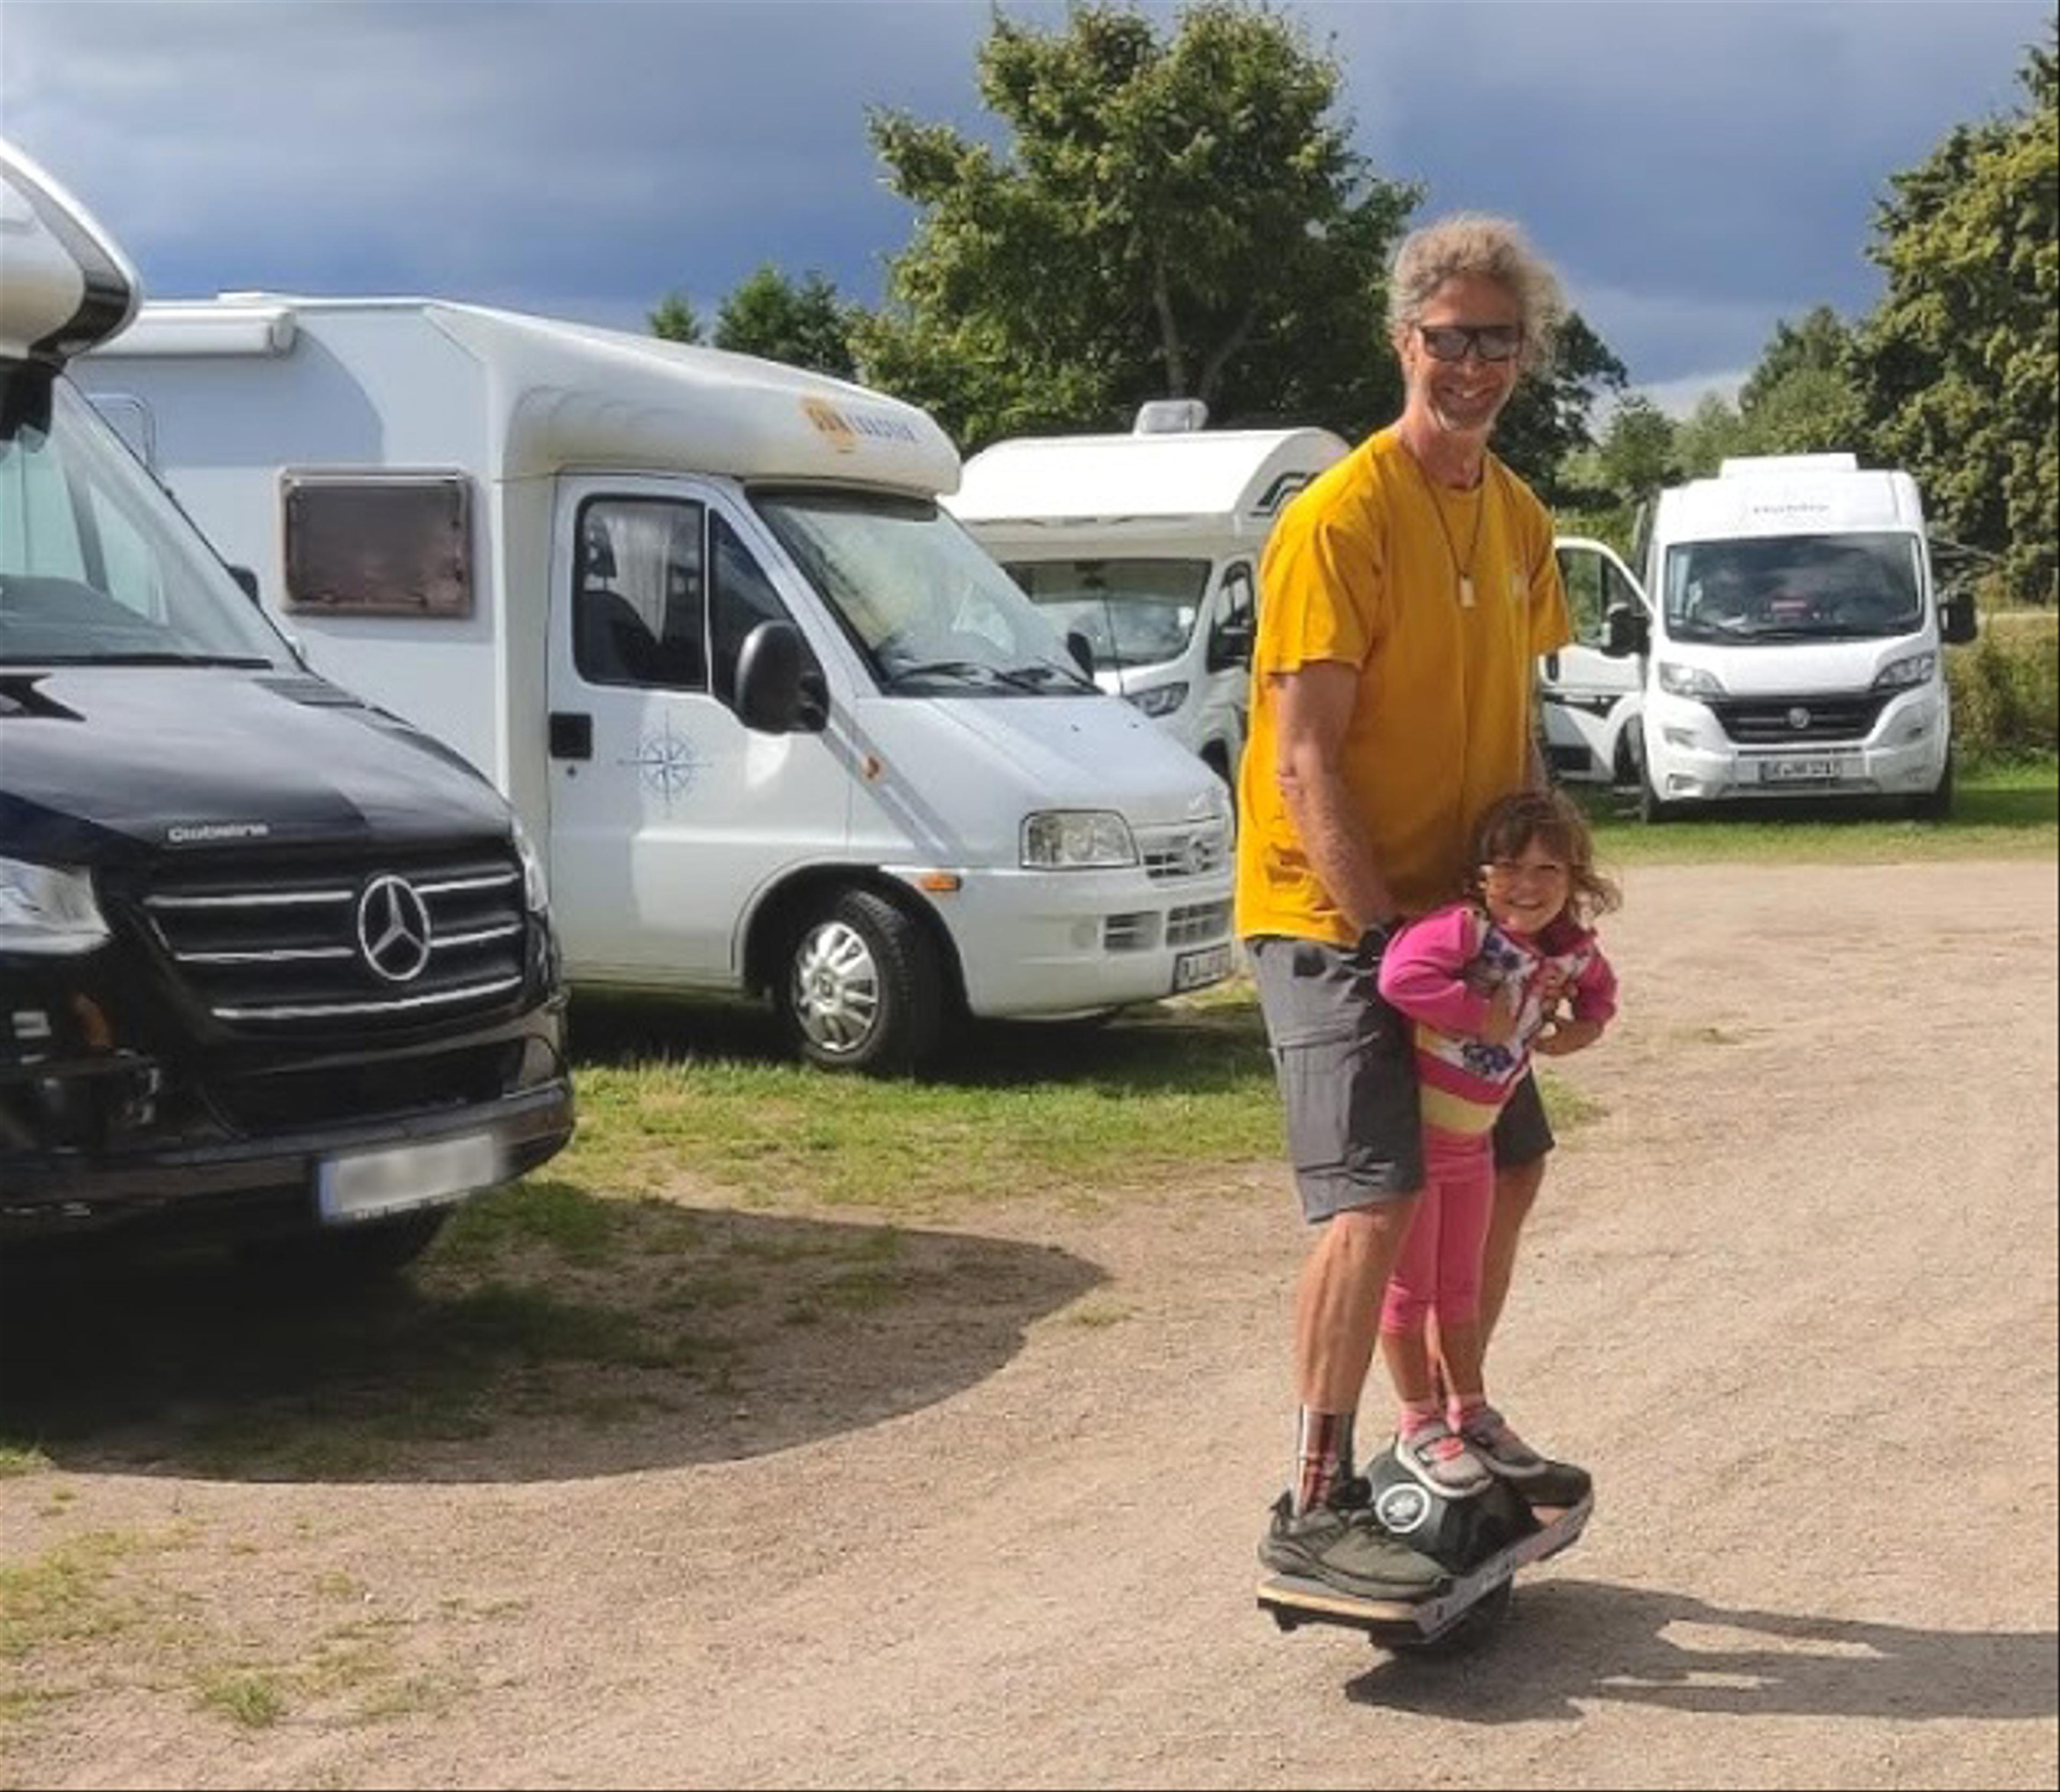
(1037, 676)
(970, 671)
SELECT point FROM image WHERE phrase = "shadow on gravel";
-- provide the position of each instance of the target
(1572, 1643)
(577, 1337)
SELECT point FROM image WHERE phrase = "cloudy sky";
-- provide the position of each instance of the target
(1699, 169)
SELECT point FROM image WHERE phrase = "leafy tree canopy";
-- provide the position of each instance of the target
(1961, 361)
(1173, 217)
(674, 320)
(803, 325)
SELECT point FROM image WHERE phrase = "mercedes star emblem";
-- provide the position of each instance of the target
(394, 928)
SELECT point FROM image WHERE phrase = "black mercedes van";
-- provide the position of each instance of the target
(273, 966)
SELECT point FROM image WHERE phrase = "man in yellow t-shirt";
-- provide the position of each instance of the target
(1405, 596)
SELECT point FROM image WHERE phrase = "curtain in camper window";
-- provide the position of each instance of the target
(639, 602)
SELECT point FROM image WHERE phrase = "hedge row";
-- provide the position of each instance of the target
(2006, 689)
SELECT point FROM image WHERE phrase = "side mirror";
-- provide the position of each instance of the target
(1230, 646)
(1958, 623)
(778, 691)
(1082, 650)
(247, 579)
(1627, 631)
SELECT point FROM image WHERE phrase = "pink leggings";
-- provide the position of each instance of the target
(1440, 1267)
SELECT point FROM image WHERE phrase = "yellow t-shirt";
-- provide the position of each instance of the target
(1359, 570)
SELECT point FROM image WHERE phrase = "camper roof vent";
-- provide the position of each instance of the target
(1748, 466)
(1170, 417)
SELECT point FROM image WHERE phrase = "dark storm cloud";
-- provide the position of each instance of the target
(1698, 171)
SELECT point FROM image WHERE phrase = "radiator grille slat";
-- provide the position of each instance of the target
(270, 943)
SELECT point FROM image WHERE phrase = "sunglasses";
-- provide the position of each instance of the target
(1489, 341)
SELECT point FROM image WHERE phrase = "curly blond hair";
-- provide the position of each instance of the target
(1474, 243)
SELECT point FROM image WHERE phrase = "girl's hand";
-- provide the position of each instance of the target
(1562, 1036)
(1504, 1007)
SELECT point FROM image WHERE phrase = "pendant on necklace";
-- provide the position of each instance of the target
(1466, 591)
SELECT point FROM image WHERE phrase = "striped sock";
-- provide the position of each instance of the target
(1417, 1414)
(1322, 1456)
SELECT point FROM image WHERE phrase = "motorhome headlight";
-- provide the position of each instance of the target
(536, 887)
(1912, 668)
(1679, 680)
(48, 909)
(1159, 700)
(1076, 840)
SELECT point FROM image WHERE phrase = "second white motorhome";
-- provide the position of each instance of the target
(1786, 640)
(779, 724)
(1147, 545)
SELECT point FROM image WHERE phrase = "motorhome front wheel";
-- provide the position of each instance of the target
(864, 988)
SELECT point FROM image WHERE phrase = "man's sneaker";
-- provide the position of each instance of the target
(1342, 1545)
(1438, 1457)
(1487, 1434)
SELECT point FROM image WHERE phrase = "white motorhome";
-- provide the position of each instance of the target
(1147, 545)
(1787, 640)
(779, 724)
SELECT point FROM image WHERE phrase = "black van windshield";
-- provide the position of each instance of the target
(1847, 587)
(98, 567)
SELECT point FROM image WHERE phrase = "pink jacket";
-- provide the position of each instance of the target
(1444, 970)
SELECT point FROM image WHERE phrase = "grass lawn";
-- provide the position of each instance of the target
(2004, 812)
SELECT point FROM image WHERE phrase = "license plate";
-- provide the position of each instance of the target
(361, 1185)
(1799, 771)
(1198, 970)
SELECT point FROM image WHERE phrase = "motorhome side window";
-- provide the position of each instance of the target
(743, 597)
(1594, 587)
(378, 544)
(1234, 608)
(639, 593)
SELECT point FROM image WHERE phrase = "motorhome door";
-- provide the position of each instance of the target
(669, 817)
(1590, 699)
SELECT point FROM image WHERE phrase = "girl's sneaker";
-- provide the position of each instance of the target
(1439, 1457)
(1488, 1435)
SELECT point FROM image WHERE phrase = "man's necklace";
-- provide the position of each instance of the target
(1464, 572)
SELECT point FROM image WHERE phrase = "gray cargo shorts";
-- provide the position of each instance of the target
(1348, 1070)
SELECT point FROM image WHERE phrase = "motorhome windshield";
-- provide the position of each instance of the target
(1845, 587)
(932, 612)
(96, 566)
(1134, 613)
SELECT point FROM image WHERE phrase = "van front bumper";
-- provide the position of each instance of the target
(240, 1188)
(1690, 758)
(1035, 944)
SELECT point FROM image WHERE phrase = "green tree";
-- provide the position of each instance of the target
(1636, 453)
(1820, 342)
(674, 320)
(1962, 358)
(1547, 419)
(1175, 216)
(1710, 433)
(805, 325)
(1804, 398)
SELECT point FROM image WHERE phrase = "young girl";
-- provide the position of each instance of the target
(1512, 969)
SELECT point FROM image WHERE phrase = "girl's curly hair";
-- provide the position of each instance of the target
(1511, 823)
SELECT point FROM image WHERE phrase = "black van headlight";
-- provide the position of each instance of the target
(48, 909)
(536, 887)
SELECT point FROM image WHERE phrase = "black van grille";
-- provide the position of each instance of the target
(1777, 721)
(345, 942)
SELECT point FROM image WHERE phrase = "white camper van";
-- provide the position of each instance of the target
(780, 724)
(1147, 545)
(1787, 640)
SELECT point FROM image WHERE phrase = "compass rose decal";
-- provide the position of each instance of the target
(666, 765)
